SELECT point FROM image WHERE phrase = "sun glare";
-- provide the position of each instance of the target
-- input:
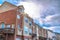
(32, 9)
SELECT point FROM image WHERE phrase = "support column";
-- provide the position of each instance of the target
(6, 36)
(14, 37)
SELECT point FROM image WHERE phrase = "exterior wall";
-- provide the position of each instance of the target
(18, 38)
(19, 23)
(37, 32)
(40, 31)
(27, 36)
(54, 36)
(44, 33)
(34, 31)
(51, 35)
(8, 17)
(57, 36)
(10, 37)
(27, 25)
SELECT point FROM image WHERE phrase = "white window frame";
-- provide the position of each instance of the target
(13, 25)
(18, 16)
(24, 30)
(8, 26)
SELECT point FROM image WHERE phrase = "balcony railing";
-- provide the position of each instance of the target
(30, 33)
(34, 35)
(7, 30)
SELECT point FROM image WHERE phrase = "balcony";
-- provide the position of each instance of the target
(7, 30)
(34, 35)
(30, 33)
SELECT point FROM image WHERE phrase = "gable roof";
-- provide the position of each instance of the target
(7, 6)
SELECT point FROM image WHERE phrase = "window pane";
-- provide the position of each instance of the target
(30, 30)
(18, 26)
(2, 25)
(26, 20)
(30, 23)
(12, 25)
(21, 10)
(18, 16)
(8, 26)
(25, 30)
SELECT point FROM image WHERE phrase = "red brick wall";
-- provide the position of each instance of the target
(8, 17)
(20, 21)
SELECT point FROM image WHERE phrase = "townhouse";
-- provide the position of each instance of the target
(51, 35)
(44, 34)
(14, 23)
(37, 29)
(41, 33)
(27, 27)
(57, 36)
(17, 25)
(11, 21)
(54, 36)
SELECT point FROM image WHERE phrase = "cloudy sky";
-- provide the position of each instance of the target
(44, 12)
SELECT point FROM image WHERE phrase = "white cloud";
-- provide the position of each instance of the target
(47, 12)
(48, 18)
(0, 4)
(53, 28)
(53, 20)
(32, 9)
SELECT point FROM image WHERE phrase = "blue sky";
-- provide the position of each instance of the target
(44, 12)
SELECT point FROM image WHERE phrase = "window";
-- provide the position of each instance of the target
(19, 27)
(30, 31)
(25, 30)
(21, 10)
(8, 26)
(18, 16)
(30, 23)
(2, 25)
(12, 25)
(26, 20)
